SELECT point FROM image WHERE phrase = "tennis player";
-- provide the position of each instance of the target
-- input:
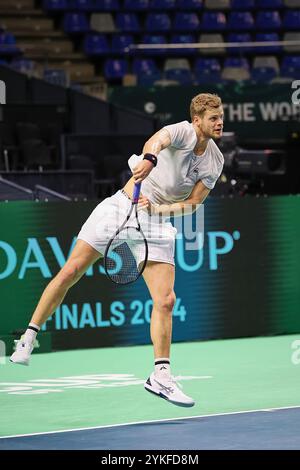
(179, 166)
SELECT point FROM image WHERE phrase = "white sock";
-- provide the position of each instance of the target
(31, 332)
(162, 367)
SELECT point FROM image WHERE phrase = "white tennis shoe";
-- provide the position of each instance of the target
(22, 352)
(168, 389)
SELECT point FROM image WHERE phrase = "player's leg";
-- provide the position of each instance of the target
(82, 256)
(160, 278)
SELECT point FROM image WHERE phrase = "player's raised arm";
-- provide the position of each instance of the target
(159, 141)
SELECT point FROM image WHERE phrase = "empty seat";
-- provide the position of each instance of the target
(102, 23)
(212, 39)
(292, 37)
(55, 5)
(146, 71)
(291, 20)
(127, 22)
(267, 37)
(136, 5)
(75, 23)
(207, 70)
(268, 20)
(121, 42)
(162, 4)
(178, 70)
(213, 21)
(95, 44)
(154, 39)
(56, 77)
(272, 4)
(239, 62)
(266, 61)
(235, 74)
(81, 5)
(186, 22)
(242, 4)
(240, 21)
(182, 39)
(217, 4)
(189, 4)
(235, 69)
(23, 65)
(263, 74)
(239, 37)
(115, 69)
(290, 67)
(292, 3)
(158, 22)
(106, 5)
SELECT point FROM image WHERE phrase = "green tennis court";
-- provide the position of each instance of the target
(72, 390)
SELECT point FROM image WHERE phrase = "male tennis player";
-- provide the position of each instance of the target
(179, 166)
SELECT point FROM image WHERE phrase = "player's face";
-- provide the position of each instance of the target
(211, 123)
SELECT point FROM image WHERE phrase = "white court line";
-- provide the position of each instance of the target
(151, 421)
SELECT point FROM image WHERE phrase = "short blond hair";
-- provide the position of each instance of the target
(200, 103)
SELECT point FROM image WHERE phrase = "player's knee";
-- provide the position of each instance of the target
(69, 274)
(165, 303)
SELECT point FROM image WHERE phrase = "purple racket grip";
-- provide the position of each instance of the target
(136, 192)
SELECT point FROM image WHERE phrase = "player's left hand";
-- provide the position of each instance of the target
(142, 170)
(144, 204)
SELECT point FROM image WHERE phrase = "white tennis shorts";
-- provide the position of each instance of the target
(108, 216)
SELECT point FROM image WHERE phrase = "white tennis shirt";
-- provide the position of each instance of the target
(178, 168)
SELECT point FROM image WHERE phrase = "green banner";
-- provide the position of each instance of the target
(243, 280)
(252, 111)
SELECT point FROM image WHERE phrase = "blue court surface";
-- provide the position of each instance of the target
(266, 429)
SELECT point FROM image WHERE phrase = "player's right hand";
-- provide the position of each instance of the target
(142, 170)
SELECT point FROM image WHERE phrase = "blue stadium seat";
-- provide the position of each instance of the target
(106, 5)
(291, 20)
(154, 39)
(136, 5)
(75, 23)
(263, 74)
(157, 22)
(115, 69)
(242, 4)
(128, 22)
(146, 71)
(55, 76)
(182, 39)
(290, 67)
(23, 65)
(213, 21)
(271, 4)
(186, 22)
(162, 5)
(239, 37)
(267, 37)
(96, 44)
(240, 21)
(182, 76)
(240, 62)
(8, 45)
(120, 42)
(55, 5)
(268, 20)
(189, 5)
(207, 70)
(80, 5)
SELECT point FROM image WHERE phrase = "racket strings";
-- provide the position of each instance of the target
(126, 256)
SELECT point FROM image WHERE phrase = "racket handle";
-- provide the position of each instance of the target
(136, 192)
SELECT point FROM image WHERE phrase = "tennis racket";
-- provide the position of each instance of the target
(126, 254)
